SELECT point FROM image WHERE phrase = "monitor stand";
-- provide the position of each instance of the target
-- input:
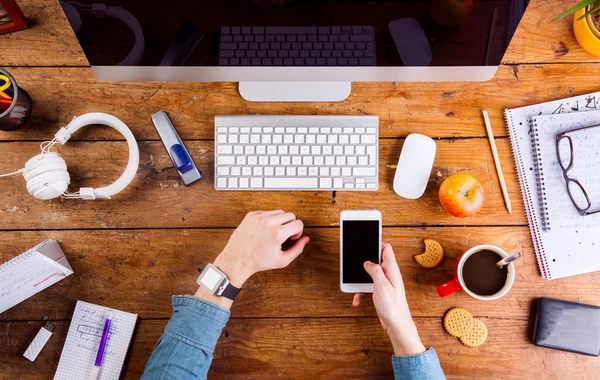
(295, 91)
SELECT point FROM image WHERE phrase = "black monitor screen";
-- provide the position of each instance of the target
(297, 32)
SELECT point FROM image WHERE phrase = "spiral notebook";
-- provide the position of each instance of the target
(31, 272)
(560, 252)
(83, 339)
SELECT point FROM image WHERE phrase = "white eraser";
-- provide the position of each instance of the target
(38, 342)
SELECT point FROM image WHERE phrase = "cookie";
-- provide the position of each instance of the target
(433, 255)
(477, 336)
(458, 322)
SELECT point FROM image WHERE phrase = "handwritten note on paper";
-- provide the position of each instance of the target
(586, 162)
(83, 339)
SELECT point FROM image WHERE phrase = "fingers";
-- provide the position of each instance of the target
(390, 266)
(271, 213)
(290, 230)
(282, 218)
(376, 273)
(295, 250)
(356, 300)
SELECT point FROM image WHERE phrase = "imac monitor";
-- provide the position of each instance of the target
(294, 49)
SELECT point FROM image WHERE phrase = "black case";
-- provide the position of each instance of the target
(567, 326)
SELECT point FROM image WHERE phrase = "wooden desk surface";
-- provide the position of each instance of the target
(132, 253)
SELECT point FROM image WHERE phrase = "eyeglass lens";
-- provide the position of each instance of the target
(565, 153)
(578, 195)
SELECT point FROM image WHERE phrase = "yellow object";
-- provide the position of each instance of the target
(6, 83)
(433, 255)
(477, 336)
(458, 321)
(586, 35)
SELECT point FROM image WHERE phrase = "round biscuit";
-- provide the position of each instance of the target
(477, 336)
(433, 255)
(458, 321)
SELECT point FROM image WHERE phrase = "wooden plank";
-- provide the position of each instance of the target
(51, 42)
(158, 199)
(139, 270)
(435, 109)
(315, 348)
(540, 39)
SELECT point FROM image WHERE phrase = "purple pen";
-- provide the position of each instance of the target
(101, 348)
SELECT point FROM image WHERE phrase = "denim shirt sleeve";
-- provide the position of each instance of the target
(185, 350)
(425, 366)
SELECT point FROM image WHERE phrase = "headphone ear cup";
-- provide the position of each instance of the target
(47, 176)
(43, 165)
(49, 185)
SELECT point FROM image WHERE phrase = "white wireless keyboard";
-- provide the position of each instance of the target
(296, 153)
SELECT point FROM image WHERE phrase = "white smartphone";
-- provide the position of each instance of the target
(360, 240)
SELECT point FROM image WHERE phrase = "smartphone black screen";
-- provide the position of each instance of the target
(360, 243)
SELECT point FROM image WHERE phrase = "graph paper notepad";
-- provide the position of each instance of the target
(31, 272)
(83, 339)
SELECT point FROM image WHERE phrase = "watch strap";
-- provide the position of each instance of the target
(230, 292)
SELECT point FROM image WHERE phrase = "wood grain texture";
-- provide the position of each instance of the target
(435, 109)
(333, 348)
(49, 41)
(158, 199)
(541, 39)
(139, 270)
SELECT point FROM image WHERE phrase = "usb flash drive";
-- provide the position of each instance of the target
(39, 342)
(179, 155)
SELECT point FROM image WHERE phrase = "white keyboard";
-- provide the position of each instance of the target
(296, 153)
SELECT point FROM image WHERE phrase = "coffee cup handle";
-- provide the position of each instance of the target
(449, 287)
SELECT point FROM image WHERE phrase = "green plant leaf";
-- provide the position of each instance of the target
(582, 4)
(589, 12)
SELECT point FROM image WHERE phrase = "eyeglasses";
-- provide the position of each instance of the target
(565, 153)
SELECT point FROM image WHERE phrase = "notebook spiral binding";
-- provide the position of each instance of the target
(540, 177)
(16, 260)
(527, 199)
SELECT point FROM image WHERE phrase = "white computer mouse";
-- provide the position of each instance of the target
(414, 166)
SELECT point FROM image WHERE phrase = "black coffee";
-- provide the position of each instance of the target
(481, 274)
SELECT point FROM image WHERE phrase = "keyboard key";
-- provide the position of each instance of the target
(223, 171)
(325, 183)
(256, 183)
(368, 139)
(363, 172)
(286, 183)
(225, 149)
(233, 183)
(337, 183)
(371, 185)
(221, 183)
(226, 160)
(244, 183)
(225, 30)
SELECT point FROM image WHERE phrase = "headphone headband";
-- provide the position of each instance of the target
(64, 134)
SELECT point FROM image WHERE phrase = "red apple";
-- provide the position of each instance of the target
(451, 13)
(461, 195)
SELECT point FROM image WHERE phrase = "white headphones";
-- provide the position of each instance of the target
(100, 10)
(47, 176)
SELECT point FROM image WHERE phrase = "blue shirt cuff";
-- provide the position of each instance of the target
(197, 322)
(421, 366)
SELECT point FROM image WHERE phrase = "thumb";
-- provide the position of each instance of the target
(376, 273)
(295, 250)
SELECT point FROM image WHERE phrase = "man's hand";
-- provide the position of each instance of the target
(256, 245)
(390, 301)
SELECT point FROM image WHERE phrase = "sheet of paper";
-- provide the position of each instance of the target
(83, 339)
(560, 210)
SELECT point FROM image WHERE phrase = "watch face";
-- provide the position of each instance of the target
(211, 278)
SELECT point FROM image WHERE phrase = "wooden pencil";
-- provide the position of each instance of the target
(490, 134)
